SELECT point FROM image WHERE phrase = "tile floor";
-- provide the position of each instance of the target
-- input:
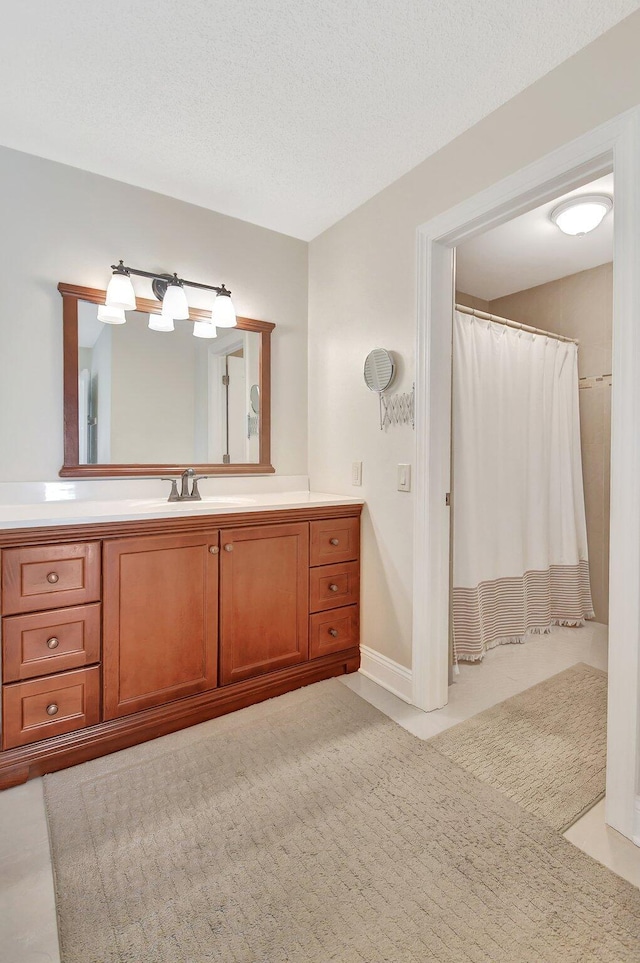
(28, 931)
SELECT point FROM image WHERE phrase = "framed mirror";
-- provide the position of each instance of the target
(146, 402)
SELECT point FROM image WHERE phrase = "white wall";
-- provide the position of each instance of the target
(64, 224)
(362, 294)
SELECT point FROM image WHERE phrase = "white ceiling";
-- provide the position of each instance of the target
(286, 113)
(531, 250)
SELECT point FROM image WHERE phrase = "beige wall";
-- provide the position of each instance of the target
(581, 306)
(470, 301)
(362, 294)
(64, 224)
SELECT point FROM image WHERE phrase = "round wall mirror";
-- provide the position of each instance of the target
(254, 398)
(379, 369)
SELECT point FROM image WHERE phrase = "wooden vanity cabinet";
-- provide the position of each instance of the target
(160, 620)
(264, 600)
(115, 633)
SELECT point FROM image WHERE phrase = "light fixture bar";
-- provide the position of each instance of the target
(169, 290)
(219, 289)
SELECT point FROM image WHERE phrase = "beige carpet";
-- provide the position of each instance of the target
(545, 748)
(312, 829)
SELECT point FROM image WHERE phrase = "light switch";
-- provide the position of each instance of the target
(356, 473)
(404, 478)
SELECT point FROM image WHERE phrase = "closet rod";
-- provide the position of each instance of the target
(513, 324)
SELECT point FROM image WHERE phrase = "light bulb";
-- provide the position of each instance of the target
(158, 322)
(120, 293)
(110, 315)
(223, 314)
(174, 303)
(581, 214)
(204, 329)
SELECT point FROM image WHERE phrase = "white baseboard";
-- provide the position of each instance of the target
(390, 675)
(636, 822)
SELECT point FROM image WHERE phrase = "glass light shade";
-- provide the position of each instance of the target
(581, 214)
(174, 303)
(223, 314)
(110, 315)
(204, 329)
(120, 293)
(158, 322)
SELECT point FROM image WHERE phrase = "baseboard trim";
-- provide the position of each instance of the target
(392, 676)
(636, 822)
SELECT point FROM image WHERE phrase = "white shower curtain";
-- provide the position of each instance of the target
(519, 533)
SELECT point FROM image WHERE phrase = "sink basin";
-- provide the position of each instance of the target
(211, 501)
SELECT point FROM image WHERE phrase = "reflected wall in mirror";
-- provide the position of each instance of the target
(139, 401)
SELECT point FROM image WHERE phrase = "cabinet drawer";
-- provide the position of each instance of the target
(336, 540)
(333, 631)
(334, 585)
(48, 576)
(47, 642)
(48, 707)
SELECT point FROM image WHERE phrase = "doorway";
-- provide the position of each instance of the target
(531, 445)
(614, 146)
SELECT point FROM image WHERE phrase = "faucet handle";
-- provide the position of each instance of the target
(173, 496)
(195, 494)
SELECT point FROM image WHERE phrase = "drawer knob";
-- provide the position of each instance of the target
(214, 549)
(53, 577)
(333, 633)
(52, 709)
(53, 643)
(228, 547)
(334, 541)
(333, 587)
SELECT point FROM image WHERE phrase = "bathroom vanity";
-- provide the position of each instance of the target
(137, 623)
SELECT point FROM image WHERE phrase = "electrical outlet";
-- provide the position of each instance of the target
(404, 478)
(356, 473)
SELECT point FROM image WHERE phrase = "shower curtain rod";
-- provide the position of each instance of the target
(513, 324)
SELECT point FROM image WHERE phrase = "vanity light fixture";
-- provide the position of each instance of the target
(581, 214)
(204, 329)
(158, 322)
(169, 289)
(120, 293)
(111, 315)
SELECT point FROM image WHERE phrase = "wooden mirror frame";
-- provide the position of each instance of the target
(71, 294)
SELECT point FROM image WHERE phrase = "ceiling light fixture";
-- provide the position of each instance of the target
(169, 289)
(581, 214)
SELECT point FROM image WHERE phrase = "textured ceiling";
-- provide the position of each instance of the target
(530, 250)
(286, 113)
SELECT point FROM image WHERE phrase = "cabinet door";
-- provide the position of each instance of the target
(264, 603)
(160, 629)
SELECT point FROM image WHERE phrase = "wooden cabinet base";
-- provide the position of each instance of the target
(69, 749)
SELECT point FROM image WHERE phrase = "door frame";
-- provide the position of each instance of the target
(614, 145)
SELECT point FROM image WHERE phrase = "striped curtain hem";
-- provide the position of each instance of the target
(505, 610)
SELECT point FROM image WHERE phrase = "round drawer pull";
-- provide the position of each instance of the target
(52, 709)
(333, 633)
(334, 541)
(228, 547)
(214, 549)
(333, 587)
(53, 643)
(53, 577)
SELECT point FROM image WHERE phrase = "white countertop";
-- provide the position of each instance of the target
(76, 511)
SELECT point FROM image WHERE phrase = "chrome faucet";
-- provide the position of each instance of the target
(188, 475)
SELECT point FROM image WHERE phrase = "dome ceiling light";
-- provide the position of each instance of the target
(582, 213)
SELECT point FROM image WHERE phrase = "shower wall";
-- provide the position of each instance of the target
(581, 306)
